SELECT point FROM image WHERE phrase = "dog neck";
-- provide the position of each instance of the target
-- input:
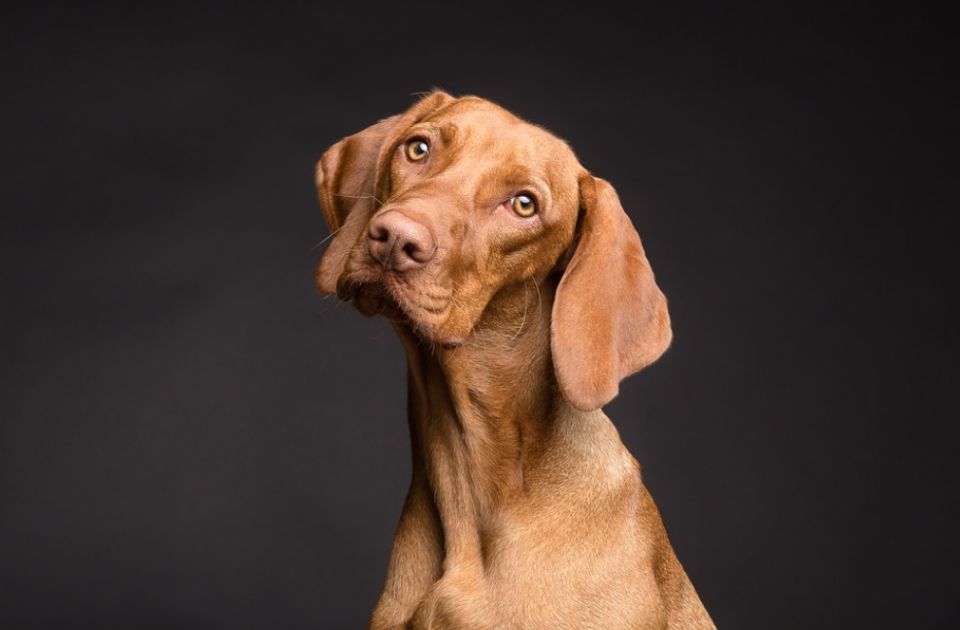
(480, 414)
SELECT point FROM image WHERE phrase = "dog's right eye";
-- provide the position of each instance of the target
(417, 149)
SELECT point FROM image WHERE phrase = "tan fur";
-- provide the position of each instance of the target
(525, 510)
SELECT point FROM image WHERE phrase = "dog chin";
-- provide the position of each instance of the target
(370, 298)
(432, 334)
(374, 298)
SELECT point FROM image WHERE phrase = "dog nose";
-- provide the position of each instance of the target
(400, 243)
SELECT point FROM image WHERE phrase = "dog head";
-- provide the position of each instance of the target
(436, 211)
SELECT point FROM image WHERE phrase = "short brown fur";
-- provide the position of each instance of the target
(525, 510)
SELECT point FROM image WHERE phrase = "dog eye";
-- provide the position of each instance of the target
(523, 205)
(417, 149)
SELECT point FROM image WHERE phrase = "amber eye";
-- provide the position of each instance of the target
(523, 205)
(417, 149)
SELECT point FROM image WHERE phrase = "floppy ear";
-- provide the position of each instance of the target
(609, 317)
(350, 180)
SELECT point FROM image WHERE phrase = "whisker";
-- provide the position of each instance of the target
(358, 197)
(539, 297)
(331, 235)
(524, 320)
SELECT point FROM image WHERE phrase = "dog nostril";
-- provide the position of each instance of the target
(378, 232)
(410, 250)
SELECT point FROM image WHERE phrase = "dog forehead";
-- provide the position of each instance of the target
(494, 139)
(476, 121)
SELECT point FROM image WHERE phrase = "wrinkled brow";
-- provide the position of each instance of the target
(507, 179)
(448, 132)
(518, 174)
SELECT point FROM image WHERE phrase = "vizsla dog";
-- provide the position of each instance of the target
(522, 296)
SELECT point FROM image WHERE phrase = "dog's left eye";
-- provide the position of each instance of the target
(417, 149)
(523, 205)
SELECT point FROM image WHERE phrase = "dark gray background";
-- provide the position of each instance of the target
(191, 437)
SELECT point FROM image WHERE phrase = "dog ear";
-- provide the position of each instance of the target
(609, 317)
(351, 179)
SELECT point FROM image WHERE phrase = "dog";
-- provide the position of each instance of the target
(522, 296)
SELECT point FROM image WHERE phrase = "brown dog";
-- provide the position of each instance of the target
(522, 295)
